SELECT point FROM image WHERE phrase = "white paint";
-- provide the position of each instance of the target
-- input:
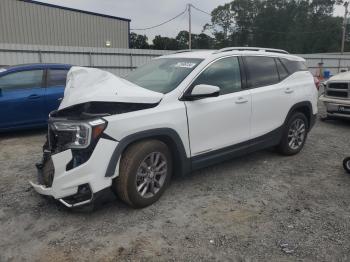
(91, 84)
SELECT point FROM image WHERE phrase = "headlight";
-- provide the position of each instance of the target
(75, 135)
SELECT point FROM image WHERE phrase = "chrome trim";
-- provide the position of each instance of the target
(76, 204)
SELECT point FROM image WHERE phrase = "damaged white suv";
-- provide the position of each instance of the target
(178, 113)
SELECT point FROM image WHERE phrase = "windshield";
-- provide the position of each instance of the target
(164, 74)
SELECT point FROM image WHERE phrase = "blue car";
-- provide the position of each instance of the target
(28, 93)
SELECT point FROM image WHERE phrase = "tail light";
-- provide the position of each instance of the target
(317, 83)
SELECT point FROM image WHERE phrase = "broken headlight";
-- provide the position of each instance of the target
(76, 135)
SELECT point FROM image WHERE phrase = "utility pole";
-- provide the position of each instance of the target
(346, 5)
(189, 27)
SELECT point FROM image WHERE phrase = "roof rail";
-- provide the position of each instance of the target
(261, 49)
(182, 51)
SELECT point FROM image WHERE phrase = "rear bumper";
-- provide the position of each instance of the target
(78, 186)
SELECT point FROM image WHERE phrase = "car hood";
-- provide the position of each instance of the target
(340, 77)
(95, 85)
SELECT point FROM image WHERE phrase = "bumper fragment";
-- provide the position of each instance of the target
(77, 186)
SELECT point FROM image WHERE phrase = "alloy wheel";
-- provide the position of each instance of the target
(296, 134)
(151, 174)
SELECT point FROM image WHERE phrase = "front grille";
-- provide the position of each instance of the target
(340, 90)
(338, 86)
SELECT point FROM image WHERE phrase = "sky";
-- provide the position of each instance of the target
(146, 13)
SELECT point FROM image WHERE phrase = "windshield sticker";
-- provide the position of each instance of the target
(185, 64)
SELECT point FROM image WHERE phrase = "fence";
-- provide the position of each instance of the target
(334, 62)
(121, 61)
(117, 61)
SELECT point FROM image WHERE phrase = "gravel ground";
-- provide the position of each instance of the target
(261, 207)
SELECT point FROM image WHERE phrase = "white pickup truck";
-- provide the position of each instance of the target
(336, 96)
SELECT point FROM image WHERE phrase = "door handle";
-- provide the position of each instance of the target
(33, 96)
(288, 90)
(60, 99)
(241, 100)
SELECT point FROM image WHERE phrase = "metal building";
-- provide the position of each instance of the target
(32, 22)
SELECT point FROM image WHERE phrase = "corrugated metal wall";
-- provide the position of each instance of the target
(29, 23)
(115, 60)
(121, 61)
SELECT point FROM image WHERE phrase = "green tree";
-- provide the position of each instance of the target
(138, 41)
(299, 26)
(165, 43)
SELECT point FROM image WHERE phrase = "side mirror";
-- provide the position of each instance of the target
(202, 91)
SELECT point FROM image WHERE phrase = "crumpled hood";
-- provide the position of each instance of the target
(340, 77)
(94, 85)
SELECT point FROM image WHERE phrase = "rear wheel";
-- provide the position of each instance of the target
(294, 134)
(346, 164)
(145, 171)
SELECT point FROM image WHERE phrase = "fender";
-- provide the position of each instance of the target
(182, 163)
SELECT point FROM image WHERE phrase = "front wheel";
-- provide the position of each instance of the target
(145, 171)
(294, 134)
(346, 164)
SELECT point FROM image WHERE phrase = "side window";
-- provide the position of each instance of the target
(224, 73)
(293, 66)
(57, 77)
(262, 71)
(281, 69)
(22, 80)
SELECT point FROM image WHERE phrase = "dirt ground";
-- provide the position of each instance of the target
(260, 207)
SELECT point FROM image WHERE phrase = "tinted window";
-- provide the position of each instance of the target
(224, 73)
(281, 70)
(57, 77)
(262, 71)
(293, 66)
(164, 74)
(23, 79)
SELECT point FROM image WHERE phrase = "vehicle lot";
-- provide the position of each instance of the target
(258, 207)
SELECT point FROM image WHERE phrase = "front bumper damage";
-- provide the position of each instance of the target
(336, 107)
(75, 186)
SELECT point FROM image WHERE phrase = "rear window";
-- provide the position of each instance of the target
(262, 71)
(293, 66)
(57, 77)
(281, 69)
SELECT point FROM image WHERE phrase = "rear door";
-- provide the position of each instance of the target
(22, 99)
(55, 84)
(271, 97)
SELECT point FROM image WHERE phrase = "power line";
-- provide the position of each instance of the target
(200, 10)
(163, 23)
(243, 29)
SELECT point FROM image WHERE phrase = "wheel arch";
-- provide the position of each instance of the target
(304, 107)
(167, 135)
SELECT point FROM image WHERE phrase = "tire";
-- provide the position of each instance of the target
(145, 172)
(286, 146)
(346, 164)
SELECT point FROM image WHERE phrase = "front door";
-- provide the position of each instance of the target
(219, 122)
(22, 99)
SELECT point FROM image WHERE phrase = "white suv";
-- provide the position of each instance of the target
(178, 113)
